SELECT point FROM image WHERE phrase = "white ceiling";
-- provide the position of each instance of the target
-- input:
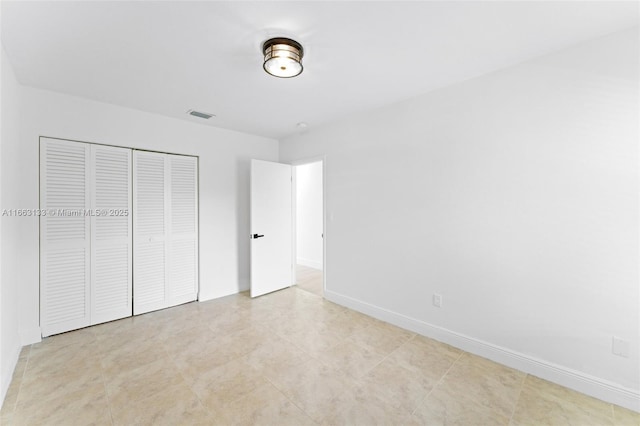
(168, 57)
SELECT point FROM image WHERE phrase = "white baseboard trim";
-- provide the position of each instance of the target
(309, 263)
(30, 336)
(8, 375)
(572, 379)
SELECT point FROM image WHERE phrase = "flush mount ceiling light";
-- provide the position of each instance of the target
(282, 57)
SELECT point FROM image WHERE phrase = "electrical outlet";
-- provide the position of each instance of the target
(437, 300)
(620, 347)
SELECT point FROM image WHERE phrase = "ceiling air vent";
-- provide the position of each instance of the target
(200, 114)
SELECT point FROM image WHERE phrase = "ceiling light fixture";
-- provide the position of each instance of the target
(282, 57)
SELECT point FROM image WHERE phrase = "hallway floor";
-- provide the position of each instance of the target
(309, 279)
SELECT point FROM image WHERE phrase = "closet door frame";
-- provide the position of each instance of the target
(89, 205)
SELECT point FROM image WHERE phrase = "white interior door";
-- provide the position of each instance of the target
(64, 236)
(271, 223)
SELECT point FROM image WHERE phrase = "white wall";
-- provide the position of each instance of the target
(9, 136)
(224, 184)
(309, 215)
(515, 196)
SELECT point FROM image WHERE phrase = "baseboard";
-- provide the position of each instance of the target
(8, 374)
(578, 381)
(309, 263)
(30, 335)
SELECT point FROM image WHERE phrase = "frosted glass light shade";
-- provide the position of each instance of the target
(282, 57)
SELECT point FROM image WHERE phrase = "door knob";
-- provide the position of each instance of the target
(257, 236)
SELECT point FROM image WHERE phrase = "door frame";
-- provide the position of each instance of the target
(301, 162)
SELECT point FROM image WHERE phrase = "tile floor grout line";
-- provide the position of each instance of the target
(104, 384)
(439, 381)
(613, 413)
(106, 394)
(190, 386)
(388, 355)
(393, 351)
(311, 358)
(184, 380)
(206, 408)
(612, 416)
(515, 405)
(24, 373)
(289, 399)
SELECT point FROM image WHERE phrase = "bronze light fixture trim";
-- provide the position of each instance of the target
(282, 57)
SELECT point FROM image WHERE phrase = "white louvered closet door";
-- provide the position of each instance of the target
(183, 237)
(150, 207)
(111, 250)
(64, 236)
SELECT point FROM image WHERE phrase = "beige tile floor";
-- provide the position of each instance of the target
(287, 358)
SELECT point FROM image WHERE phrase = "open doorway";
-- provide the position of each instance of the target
(309, 227)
